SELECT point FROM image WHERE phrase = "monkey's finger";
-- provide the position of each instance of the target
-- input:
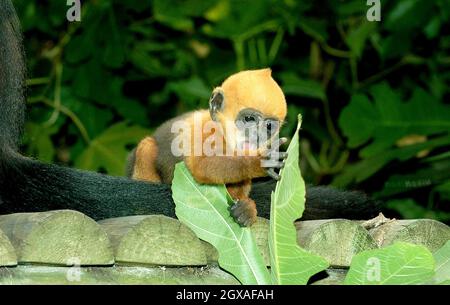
(275, 156)
(271, 172)
(278, 143)
(283, 155)
(283, 140)
(275, 146)
(271, 163)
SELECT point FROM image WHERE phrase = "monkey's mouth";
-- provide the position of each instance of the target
(248, 145)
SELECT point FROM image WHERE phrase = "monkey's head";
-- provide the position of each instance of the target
(250, 106)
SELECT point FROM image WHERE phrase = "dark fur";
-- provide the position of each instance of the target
(165, 162)
(28, 185)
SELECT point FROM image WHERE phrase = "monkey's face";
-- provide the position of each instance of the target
(254, 129)
(251, 107)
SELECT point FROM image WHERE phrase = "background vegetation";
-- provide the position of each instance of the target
(374, 95)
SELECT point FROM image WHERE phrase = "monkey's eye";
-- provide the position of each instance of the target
(249, 119)
(271, 126)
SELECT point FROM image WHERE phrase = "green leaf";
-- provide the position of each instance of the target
(350, 8)
(410, 209)
(80, 46)
(387, 119)
(108, 151)
(290, 264)
(149, 63)
(358, 129)
(437, 172)
(399, 264)
(93, 82)
(293, 85)
(93, 118)
(432, 28)
(365, 168)
(114, 51)
(316, 28)
(205, 209)
(235, 20)
(191, 90)
(442, 257)
(408, 15)
(444, 190)
(39, 142)
(128, 108)
(176, 13)
(396, 45)
(357, 37)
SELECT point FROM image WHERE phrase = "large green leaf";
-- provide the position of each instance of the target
(365, 168)
(399, 264)
(293, 85)
(109, 150)
(205, 209)
(388, 119)
(290, 264)
(442, 257)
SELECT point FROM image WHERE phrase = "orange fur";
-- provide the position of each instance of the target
(144, 166)
(254, 89)
(220, 169)
(240, 190)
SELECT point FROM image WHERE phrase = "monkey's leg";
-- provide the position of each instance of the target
(144, 167)
(244, 210)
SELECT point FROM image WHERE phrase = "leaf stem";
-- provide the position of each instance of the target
(275, 47)
(239, 50)
(38, 81)
(66, 111)
(330, 125)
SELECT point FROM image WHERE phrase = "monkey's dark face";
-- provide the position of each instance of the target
(254, 129)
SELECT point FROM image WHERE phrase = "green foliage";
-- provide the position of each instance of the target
(399, 264)
(374, 95)
(205, 209)
(290, 264)
(386, 121)
(108, 150)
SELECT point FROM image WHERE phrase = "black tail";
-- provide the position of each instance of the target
(27, 185)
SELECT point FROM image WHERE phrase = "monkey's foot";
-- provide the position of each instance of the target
(244, 212)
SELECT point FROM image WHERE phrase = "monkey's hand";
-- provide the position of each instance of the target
(272, 158)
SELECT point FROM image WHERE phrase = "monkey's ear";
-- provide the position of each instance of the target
(216, 103)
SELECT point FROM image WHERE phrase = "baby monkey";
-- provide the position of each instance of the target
(244, 118)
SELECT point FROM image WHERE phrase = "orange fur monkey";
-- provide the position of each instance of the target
(245, 114)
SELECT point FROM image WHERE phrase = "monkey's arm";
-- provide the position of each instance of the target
(234, 169)
(224, 169)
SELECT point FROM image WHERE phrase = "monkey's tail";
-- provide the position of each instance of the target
(28, 185)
